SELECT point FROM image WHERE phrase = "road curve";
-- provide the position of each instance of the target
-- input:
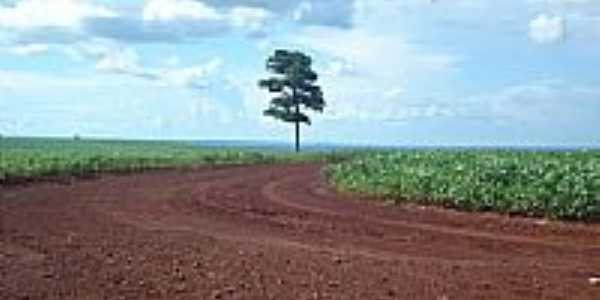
(273, 232)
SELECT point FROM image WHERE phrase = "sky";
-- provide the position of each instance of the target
(410, 72)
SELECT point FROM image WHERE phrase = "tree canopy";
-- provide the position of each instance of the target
(294, 83)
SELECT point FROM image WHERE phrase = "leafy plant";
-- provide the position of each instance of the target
(26, 158)
(563, 185)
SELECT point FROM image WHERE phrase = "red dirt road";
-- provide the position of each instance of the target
(273, 232)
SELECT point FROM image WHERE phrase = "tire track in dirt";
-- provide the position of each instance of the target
(272, 192)
(277, 232)
(342, 235)
(328, 205)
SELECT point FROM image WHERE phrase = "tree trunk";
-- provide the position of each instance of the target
(297, 129)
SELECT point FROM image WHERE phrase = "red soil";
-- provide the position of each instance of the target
(273, 232)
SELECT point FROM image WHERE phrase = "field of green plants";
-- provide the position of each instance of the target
(26, 158)
(559, 185)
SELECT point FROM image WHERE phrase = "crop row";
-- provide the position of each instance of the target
(562, 185)
(34, 158)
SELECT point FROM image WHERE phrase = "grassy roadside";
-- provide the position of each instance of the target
(31, 158)
(558, 185)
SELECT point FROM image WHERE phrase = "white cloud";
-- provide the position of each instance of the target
(374, 54)
(545, 29)
(549, 103)
(253, 20)
(120, 60)
(173, 21)
(170, 10)
(191, 77)
(73, 21)
(330, 13)
(30, 14)
(43, 21)
(172, 61)
(560, 2)
(23, 81)
(178, 21)
(305, 7)
(126, 61)
(28, 49)
(340, 67)
(393, 93)
(369, 75)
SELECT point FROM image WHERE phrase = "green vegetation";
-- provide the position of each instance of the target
(561, 185)
(294, 85)
(25, 158)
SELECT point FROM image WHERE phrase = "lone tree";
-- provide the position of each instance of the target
(294, 84)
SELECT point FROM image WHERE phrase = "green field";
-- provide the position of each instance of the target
(26, 158)
(560, 185)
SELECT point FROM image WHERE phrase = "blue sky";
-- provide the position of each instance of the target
(412, 72)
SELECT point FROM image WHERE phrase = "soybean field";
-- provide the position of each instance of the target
(559, 184)
(31, 158)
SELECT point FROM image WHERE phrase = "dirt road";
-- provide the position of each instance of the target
(273, 232)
